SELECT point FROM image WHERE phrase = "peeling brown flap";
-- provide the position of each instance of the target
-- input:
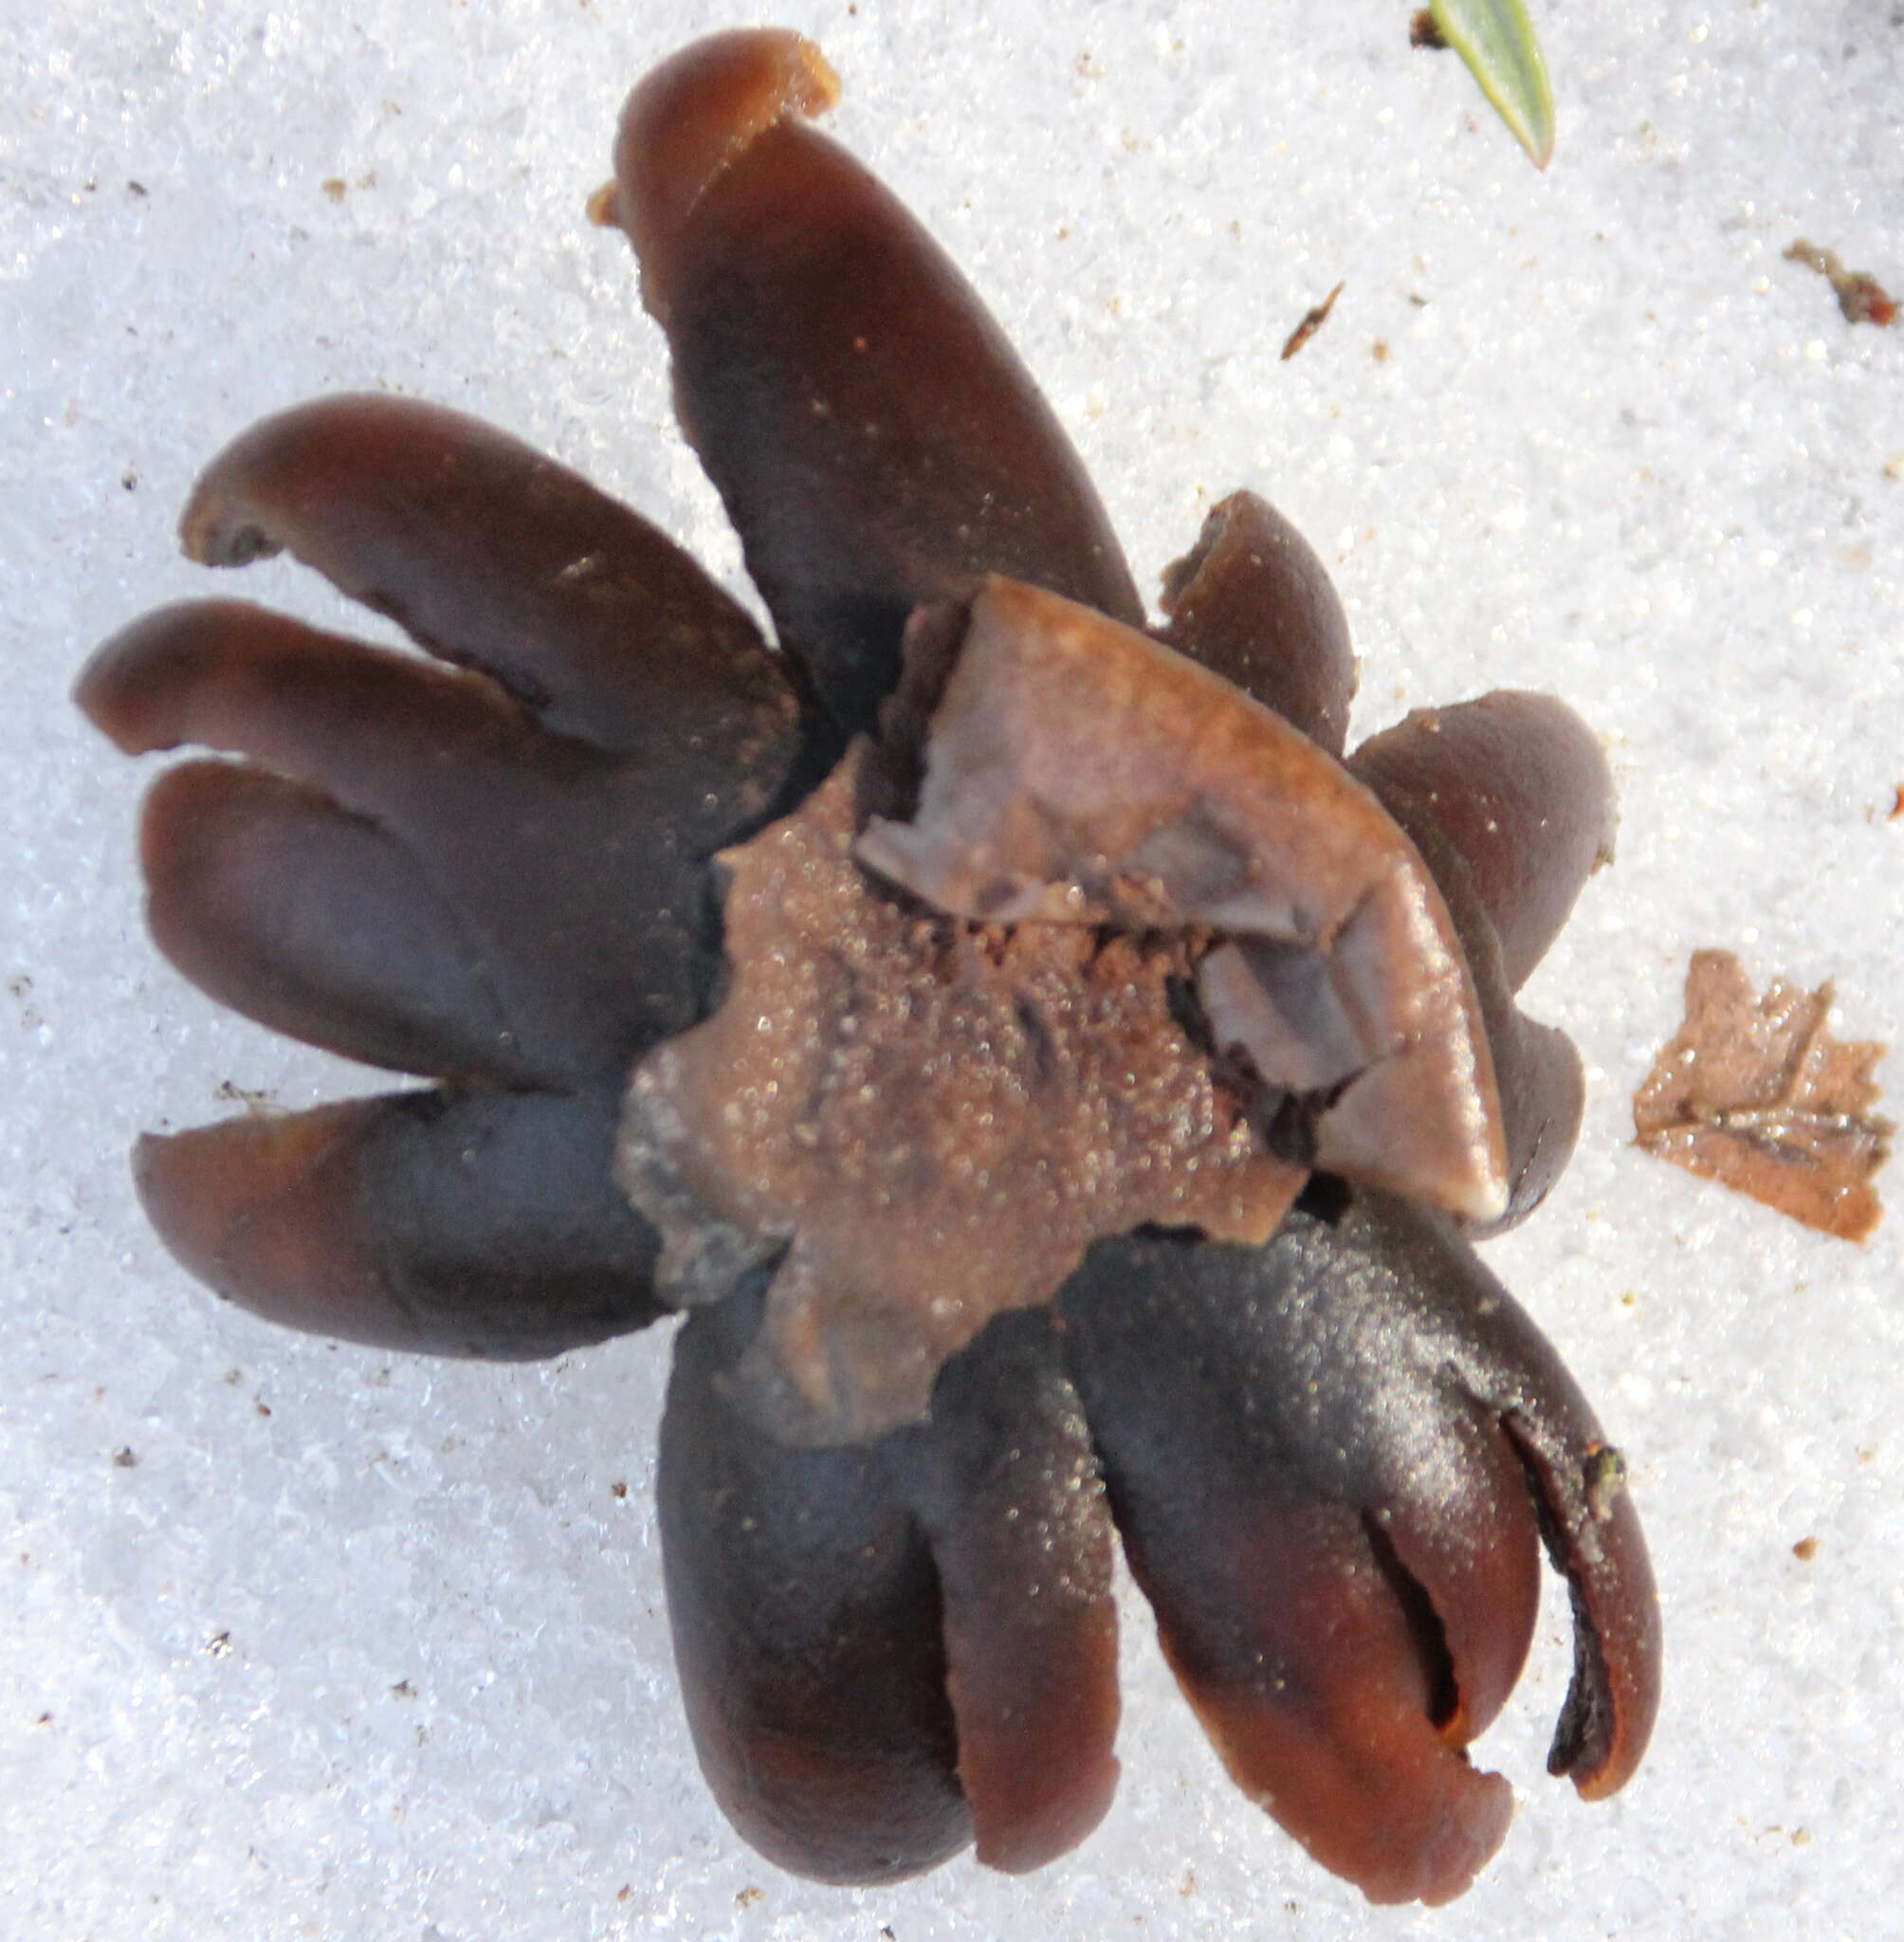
(1756, 1093)
(918, 1123)
(1078, 773)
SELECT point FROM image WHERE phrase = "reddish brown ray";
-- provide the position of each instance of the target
(1078, 773)
(1252, 602)
(1329, 1459)
(1005, 1485)
(689, 121)
(1473, 1327)
(1519, 786)
(456, 1224)
(573, 881)
(1756, 1093)
(807, 1623)
(876, 440)
(1339, 1544)
(1326, 1723)
(922, 1122)
(494, 556)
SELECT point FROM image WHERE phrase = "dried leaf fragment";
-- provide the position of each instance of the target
(1756, 1095)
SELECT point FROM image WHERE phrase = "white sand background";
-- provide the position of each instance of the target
(373, 1648)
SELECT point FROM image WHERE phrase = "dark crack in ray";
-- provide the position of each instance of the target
(808, 1633)
(1005, 1485)
(1336, 1537)
(1445, 1310)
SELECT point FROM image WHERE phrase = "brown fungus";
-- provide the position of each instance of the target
(1056, 1083)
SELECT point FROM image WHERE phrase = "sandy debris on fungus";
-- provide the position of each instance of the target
(922, 1123)
(1755, 1093)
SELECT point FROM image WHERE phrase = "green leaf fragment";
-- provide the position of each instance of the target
(1497, 41)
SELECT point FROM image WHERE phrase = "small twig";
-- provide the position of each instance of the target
(1312, 321)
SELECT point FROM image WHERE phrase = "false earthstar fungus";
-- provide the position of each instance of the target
(1054, 1084)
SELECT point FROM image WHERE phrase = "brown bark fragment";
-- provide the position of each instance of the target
(1756, 1093)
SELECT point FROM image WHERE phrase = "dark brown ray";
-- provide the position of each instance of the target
(807, 1627)
(479, 1224)
(496, 558)
(576, 882)
(876, 440)
(1252, 602)
(1519, 786)
(1005, 1485)
(318, 924)
(1311, 1451)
